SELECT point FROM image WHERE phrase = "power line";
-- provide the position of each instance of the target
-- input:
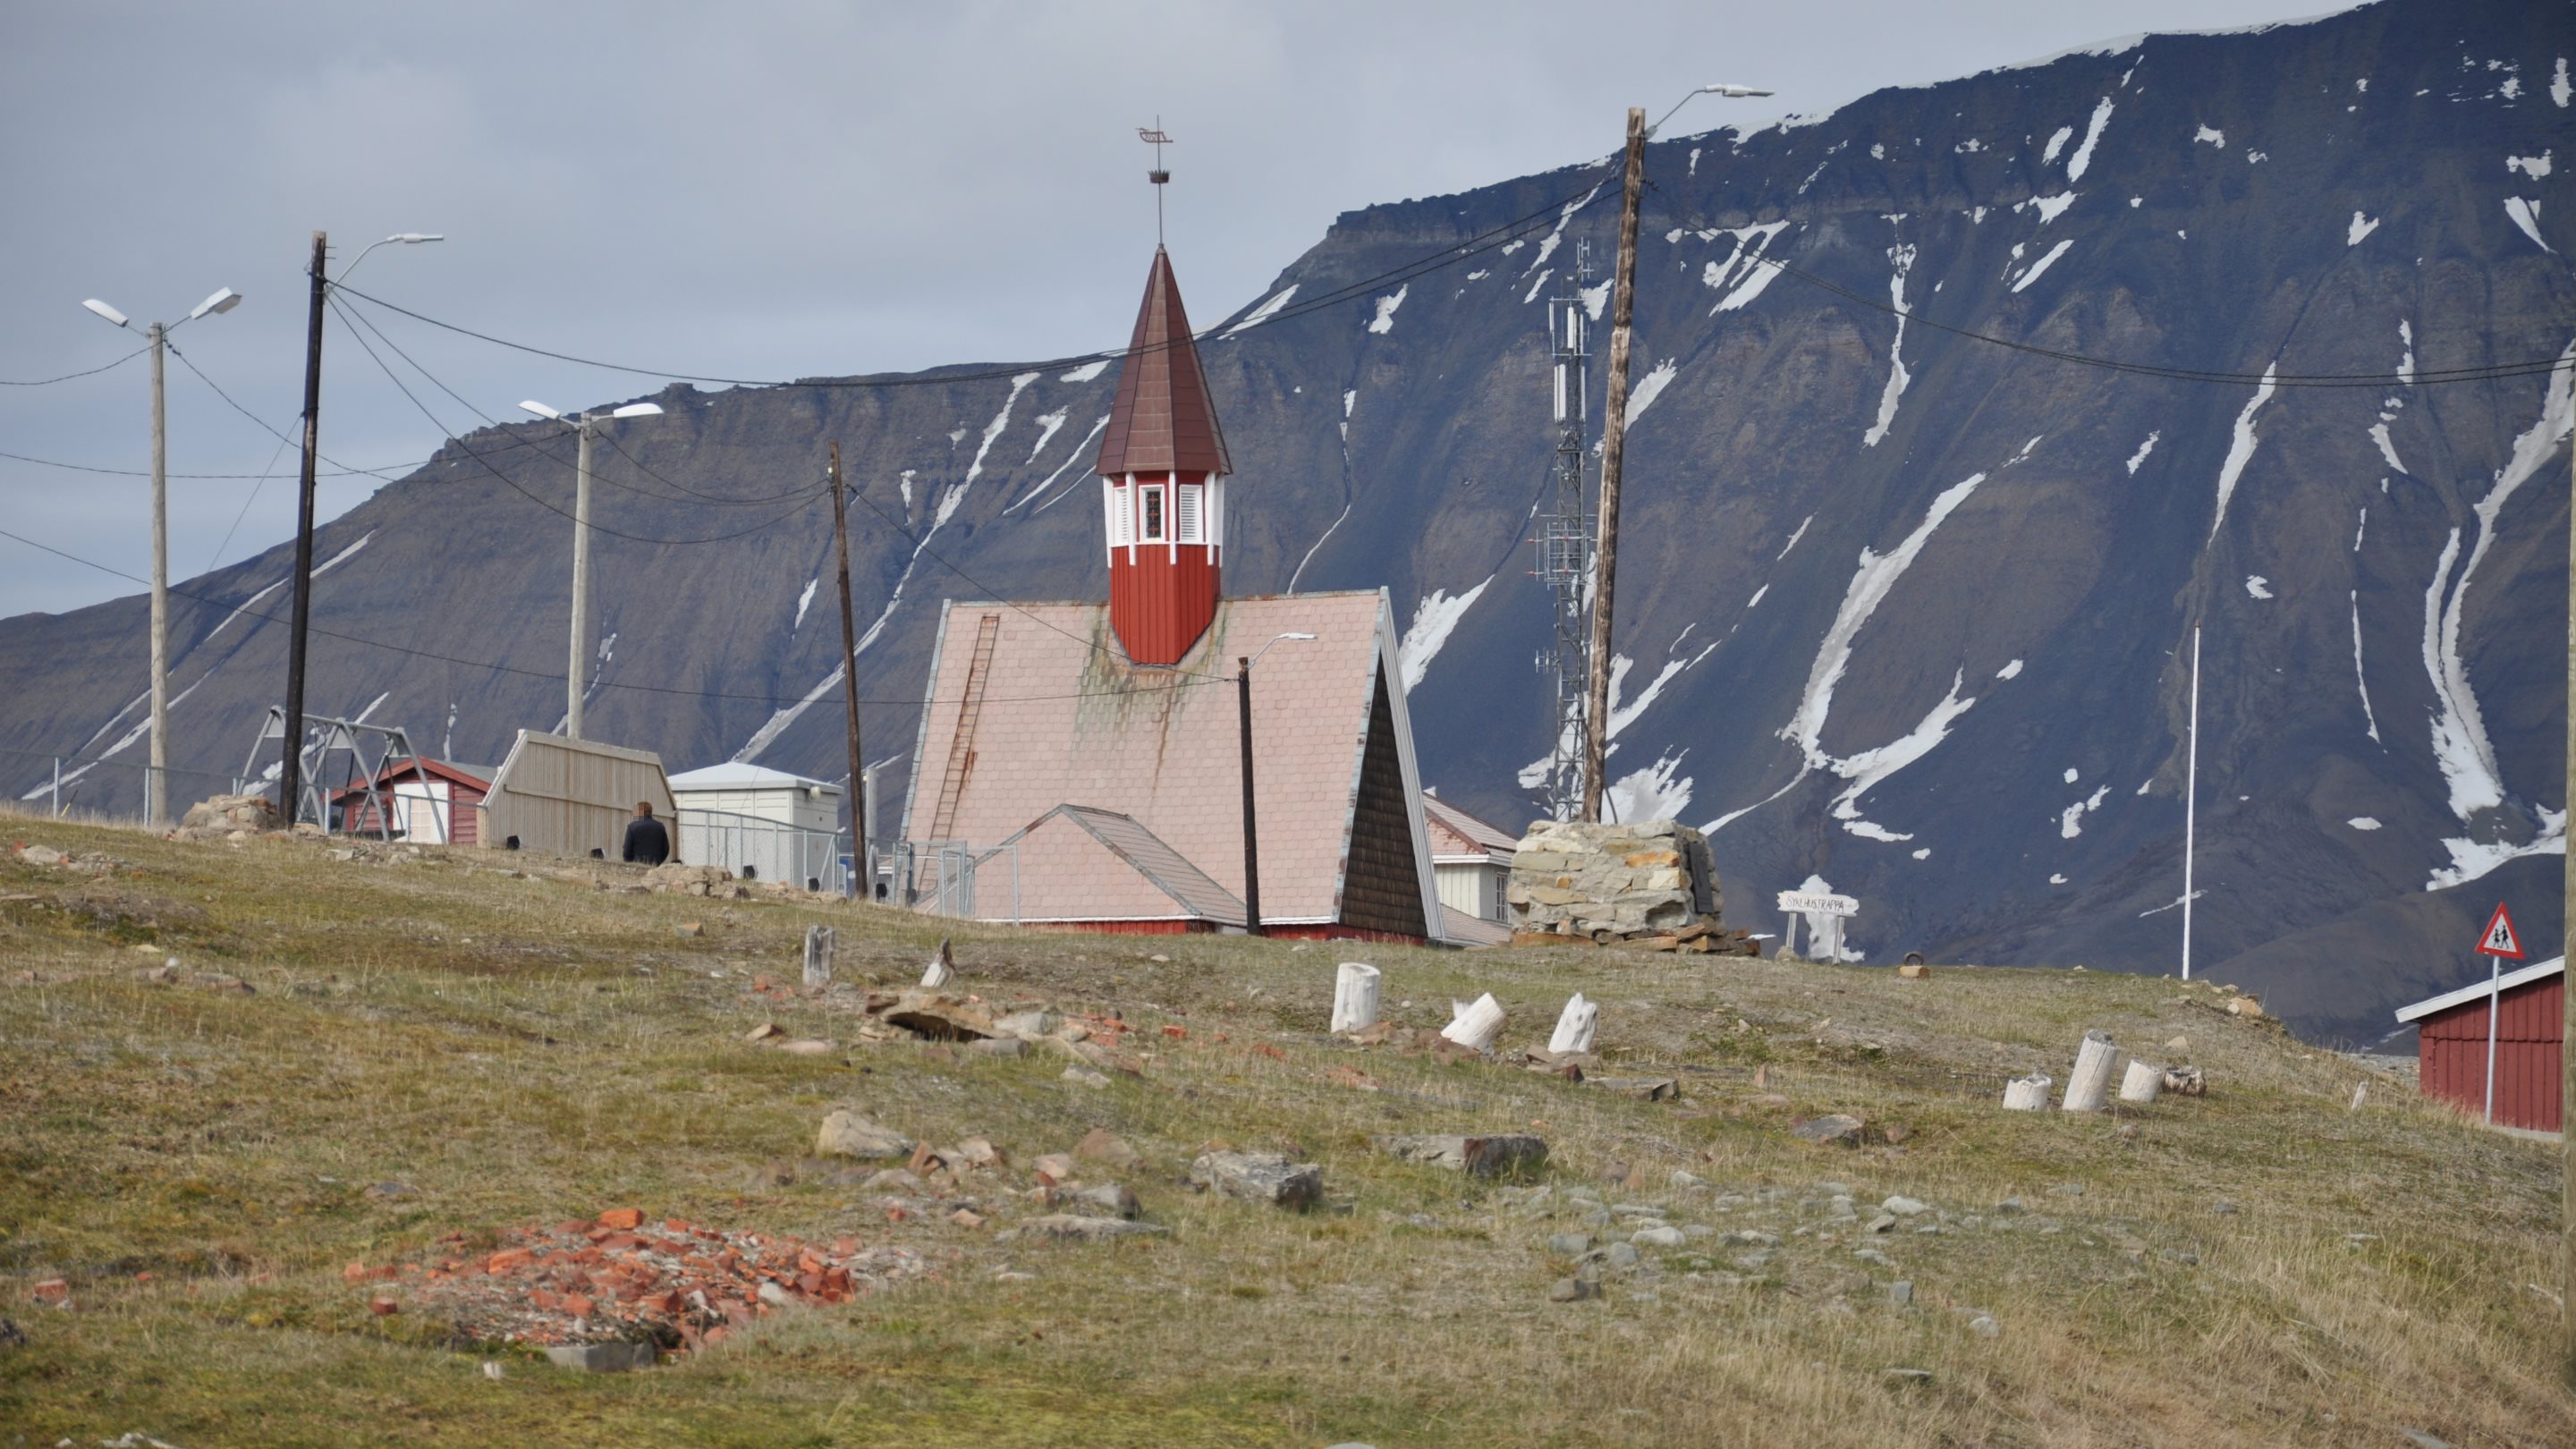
(375, 473)
(1475, 246)
(349, 315)
(68, 376)
(2421, 377)
(262, 423)
(516, 487)
(391, 648)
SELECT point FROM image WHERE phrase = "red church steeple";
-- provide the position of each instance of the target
(1163, 465)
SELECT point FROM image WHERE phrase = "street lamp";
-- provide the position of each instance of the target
(156, 784)
(406, 238)
(1251, 852)
(1732, 91)
(584, 426)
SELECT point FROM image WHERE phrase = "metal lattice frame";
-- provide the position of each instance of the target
(1565, 540)
(323, 738)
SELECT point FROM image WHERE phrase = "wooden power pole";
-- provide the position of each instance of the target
(2567, 927)
(1614, 443)
(291, 773)
(863, 879)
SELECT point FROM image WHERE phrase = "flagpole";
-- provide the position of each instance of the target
(2191, 802)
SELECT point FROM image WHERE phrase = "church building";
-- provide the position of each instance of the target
(1086, 761)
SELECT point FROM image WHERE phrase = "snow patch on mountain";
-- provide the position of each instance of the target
(2534, 167)
(2083, 157)
(2070, 821)
(1650, 387)
(2140, 457)
(1048, 423)
(2526, 214)
(1071, 458)
(1869, 768)
(2406, 363)
(1093, 368)
(2258, 586)
(2043, 264)
(2048, 207)
(2361, 676)
(1254, 318)
(2011, 670)
(1433, 620)
(1652, 793)
(2240, 449)
(2361, 227)
(2212, 135)
(2056, 143)
(1384, 322)
(1743, 276)
(1794, 535)
(804, 601)
(1897, 377)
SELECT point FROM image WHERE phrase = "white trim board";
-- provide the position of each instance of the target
(2466, 994)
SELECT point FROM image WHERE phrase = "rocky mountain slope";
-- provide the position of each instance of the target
(1902, 611)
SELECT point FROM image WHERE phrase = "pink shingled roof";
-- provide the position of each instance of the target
(1065, 720)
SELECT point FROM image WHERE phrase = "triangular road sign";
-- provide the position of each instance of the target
(2499, 939)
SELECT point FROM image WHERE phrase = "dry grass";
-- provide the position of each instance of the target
(522, 1050)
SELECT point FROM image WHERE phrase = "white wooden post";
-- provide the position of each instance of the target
(2026, 1094)
(820, 944)
(1789, 937)
(942, 968)
(2495, 998)
(2092, 1074)
(1575, 1025)
(1477, 1024)
(2142, 1082)
(1355, 997)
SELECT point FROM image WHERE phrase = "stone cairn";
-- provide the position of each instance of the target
(1647, 885)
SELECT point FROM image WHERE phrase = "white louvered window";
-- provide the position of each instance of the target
(1191, 514)
(1121, 520)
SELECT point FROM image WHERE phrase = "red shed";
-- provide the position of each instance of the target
(2530, 1045)
(433, 803)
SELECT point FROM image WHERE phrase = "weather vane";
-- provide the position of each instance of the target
(1153, 136)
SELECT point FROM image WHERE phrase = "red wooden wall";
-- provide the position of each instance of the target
(2529, 1057)
(1161, 604)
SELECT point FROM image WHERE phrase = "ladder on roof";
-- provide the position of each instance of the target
(961, 747)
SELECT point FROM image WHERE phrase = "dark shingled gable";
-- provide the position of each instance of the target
(1162, 421)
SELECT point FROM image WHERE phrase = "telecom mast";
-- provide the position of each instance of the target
(1565, 539)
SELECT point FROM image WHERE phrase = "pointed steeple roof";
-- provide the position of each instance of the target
(1162, 420)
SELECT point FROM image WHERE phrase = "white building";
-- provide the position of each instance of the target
(760, 822)
(1472, 862)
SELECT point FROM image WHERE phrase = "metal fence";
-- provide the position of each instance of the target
(105, 790)
(953, 878)
(758, 849)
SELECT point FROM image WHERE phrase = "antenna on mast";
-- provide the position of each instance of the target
(1153, 136)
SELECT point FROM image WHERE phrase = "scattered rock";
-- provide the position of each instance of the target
(967, 1218)
(1908, 1375)
(807, 1047)
(2223, 1207)
(1085, 1076)
(2186, 1082)
(1834, 1127)
(383, 1307)
(1109, 1198)
(2245, 1006)
(1645, 1089)
(1569, 1245)
(1901, 1292)
(847, 1134)
(1904, 1207)
(1029, 1025)
(1573, 1290)
(763, 1032)
(1265, 1177)
(1493, 1156)
(1659, 1237)
(600, 1358)
(1914, 971)
(40, 855)
(2179, 1044)
(1882, 1223)
(692, 928)
(1984, 1326)
(220, 816)
(1089, 1230)
(1102, 1145)
(54, 1291)
(1000, 1046)
(2422, 1440)
(2010, 1207)
(938, 1016)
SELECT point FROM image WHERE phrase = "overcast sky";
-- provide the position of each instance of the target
(765, 189)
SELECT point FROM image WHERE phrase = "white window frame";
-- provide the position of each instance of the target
(1158, 492)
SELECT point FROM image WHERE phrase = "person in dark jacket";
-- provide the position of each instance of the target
(647, 843)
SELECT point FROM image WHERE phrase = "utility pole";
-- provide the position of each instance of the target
(580, 576)
(859, 868)
(1251, 851)
(1614, 442)
(2567, 1079)
(291, 773)
(156, 785)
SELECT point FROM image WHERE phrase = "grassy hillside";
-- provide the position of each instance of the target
(431, 1053)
